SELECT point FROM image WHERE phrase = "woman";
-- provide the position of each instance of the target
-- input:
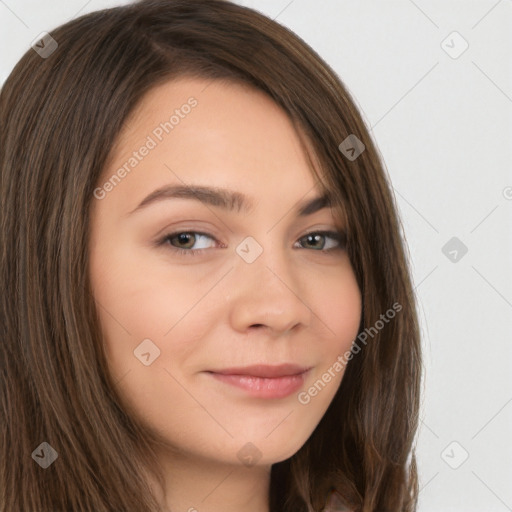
(276, 370)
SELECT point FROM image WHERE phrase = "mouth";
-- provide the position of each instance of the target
(264, 381)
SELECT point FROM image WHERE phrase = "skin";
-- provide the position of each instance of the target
(215, 310)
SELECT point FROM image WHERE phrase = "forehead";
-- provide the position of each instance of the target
(219, 116)
(214, 133)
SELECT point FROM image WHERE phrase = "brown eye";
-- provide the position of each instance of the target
(176, 240)
(182, 241)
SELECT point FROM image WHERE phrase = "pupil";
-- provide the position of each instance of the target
(313, 238)
(183, 237)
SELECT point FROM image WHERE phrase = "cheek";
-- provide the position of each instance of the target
(146, 311)
(136, 301)
(135, 297)
(339, 309)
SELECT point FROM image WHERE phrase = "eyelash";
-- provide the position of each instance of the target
(339, 236)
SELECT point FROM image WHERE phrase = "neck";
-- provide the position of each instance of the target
(193, 484)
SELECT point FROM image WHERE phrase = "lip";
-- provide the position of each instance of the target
(264, 370)
(264, 381)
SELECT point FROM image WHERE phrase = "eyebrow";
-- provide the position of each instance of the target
(225, 199)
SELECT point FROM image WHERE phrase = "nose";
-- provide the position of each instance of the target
(269, 292)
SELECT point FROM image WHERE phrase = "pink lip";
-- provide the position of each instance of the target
(264, 381)
(264, 370)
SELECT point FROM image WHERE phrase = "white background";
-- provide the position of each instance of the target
(444, 128)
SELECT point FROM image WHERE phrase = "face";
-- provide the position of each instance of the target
(192, 289)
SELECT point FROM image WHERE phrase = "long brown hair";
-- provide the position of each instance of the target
(59, 119)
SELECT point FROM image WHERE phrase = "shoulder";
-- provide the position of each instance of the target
(335, 503)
